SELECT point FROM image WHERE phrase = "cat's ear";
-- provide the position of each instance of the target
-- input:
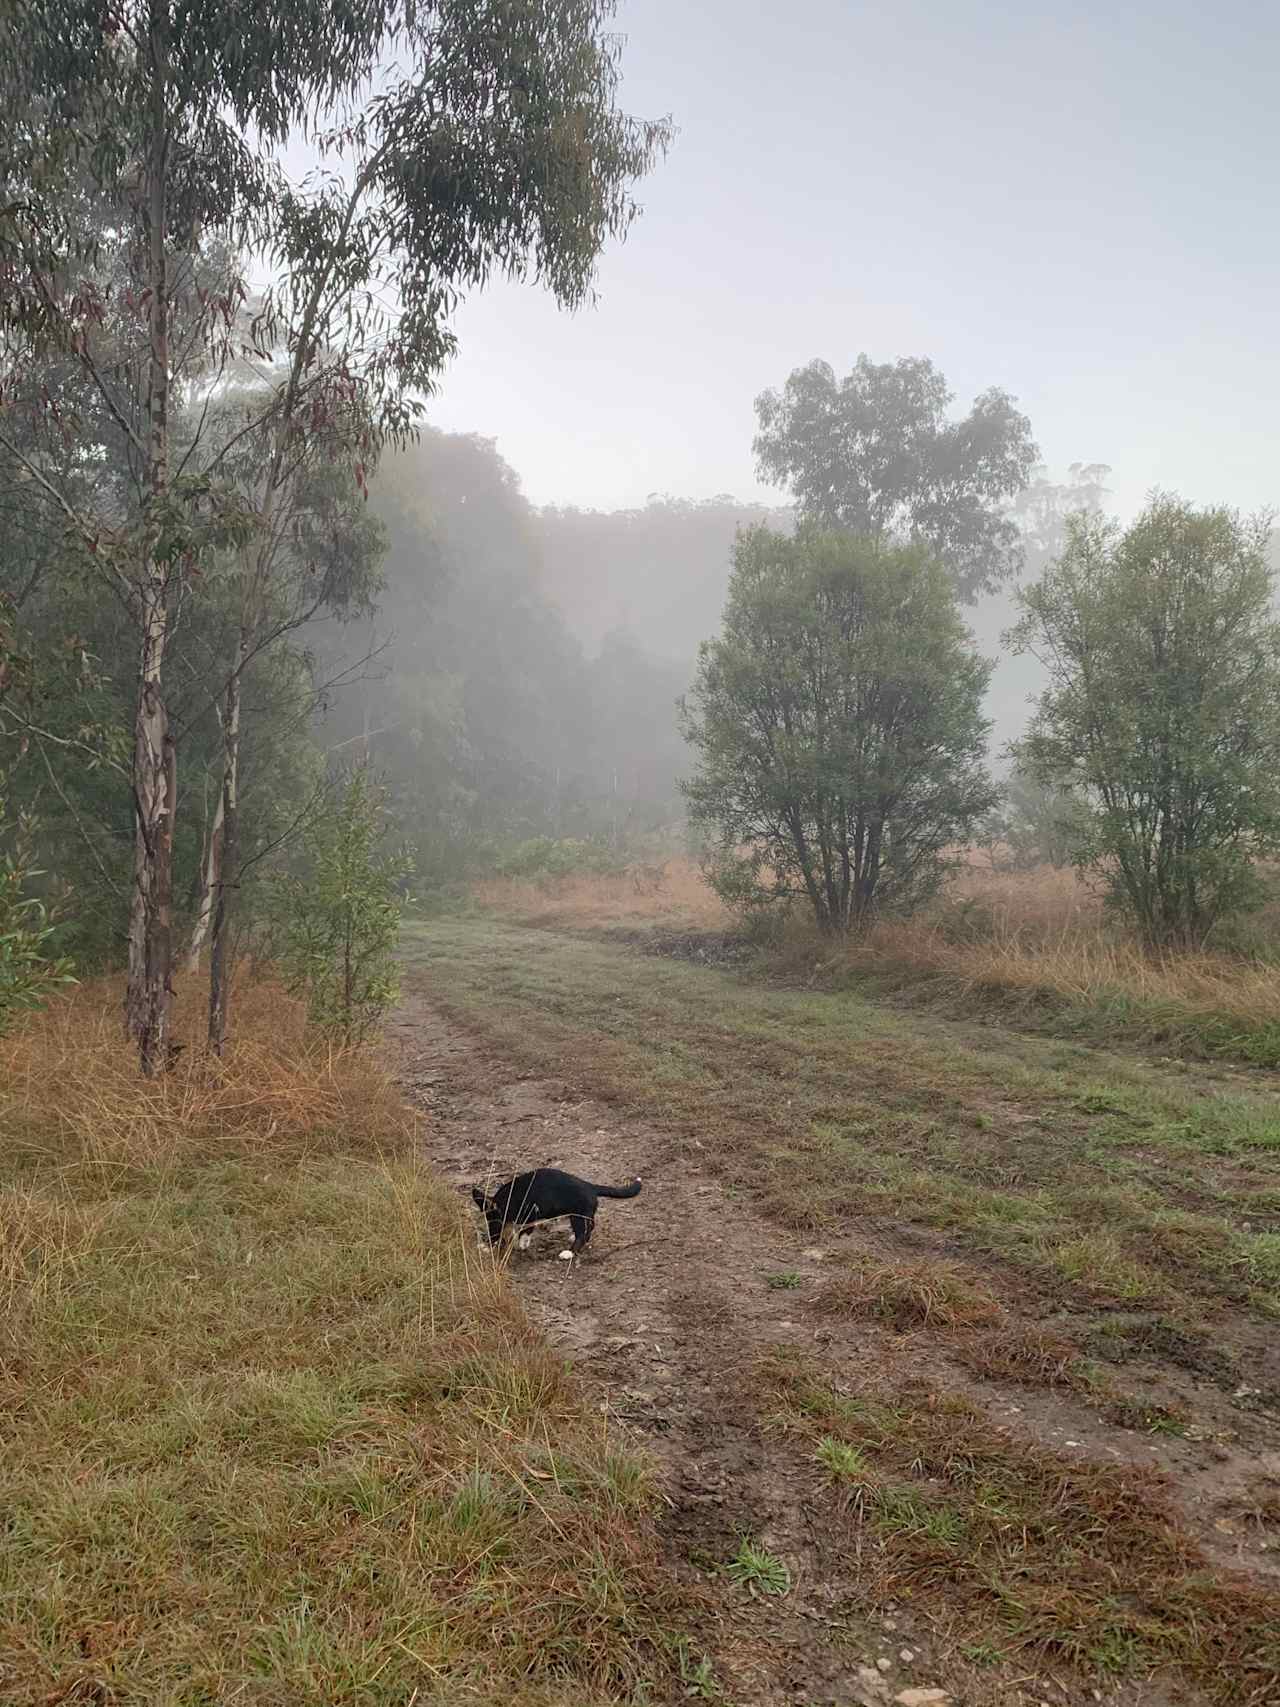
(481, 1200)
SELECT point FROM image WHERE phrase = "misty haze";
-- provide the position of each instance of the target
(639, 854)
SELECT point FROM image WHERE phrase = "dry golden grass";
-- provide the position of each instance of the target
(1028, 941)
(69, 1084)
(1047, 931)
(680, 899)
(273, 1428)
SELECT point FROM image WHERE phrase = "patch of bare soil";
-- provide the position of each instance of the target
(667, 1316)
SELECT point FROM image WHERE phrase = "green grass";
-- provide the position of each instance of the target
(1109, 1181)
(755, 1568)
(841, 1461)
(274, 1432)
(269, 1425)
(697, 1674)
(1070, 1562)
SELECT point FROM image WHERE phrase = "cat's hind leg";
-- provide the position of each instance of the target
(581, 1232)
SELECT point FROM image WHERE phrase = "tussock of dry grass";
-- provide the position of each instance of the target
(908, 1295)
(1026, 1354)
(274, 1430)
(681, 899)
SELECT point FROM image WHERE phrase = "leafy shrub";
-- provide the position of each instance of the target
(547, 856)
(340, 919)
(838, 730)
(1162, 712)
(29, 972)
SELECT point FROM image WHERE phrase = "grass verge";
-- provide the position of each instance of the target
(273, 1430)
(1033, 949)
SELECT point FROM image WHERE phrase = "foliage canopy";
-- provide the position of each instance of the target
(837, 722)
(1162, 714)
(875, 453)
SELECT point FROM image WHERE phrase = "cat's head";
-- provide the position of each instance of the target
(488, 1207)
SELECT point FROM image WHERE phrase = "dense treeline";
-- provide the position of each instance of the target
(197, 443)
(512, 672)
(658, 572)
(490, 717)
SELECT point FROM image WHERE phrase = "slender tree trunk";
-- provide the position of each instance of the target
(148, 1000)
(258, 578)
(149, 997)
(229, 868)
(257, 574)
(211, 866)
(866, 893)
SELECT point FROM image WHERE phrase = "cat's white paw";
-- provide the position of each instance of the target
(566, 1256)
(526, 1239)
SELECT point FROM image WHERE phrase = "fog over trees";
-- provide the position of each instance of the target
(238, 557)
(524, 663)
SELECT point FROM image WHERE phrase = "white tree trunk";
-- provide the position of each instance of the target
(149, 997)
(208, 884)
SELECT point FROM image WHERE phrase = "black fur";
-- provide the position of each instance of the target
(545, 1194)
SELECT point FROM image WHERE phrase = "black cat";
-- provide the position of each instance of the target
(544, 1195)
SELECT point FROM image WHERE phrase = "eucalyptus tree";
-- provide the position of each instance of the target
(457, 138)
(876, 454)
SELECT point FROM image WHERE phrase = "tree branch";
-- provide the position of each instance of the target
(87, 534)
(75, 817)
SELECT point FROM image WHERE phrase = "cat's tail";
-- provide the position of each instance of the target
(632, 1190)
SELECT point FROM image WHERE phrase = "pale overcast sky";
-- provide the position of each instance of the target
(1075, 202)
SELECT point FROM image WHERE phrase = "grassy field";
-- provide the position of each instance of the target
(273, 1432)
(1034, 949)
(1094, 1233)
(1026, 1548)
(1107, 1180)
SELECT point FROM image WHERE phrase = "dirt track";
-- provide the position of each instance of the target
(666, 1317)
